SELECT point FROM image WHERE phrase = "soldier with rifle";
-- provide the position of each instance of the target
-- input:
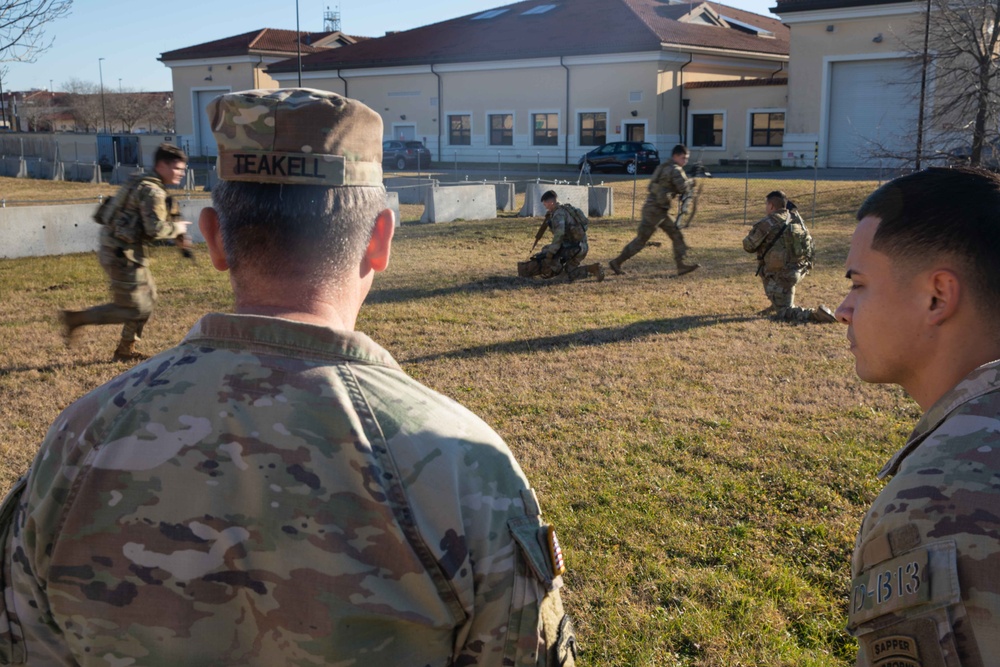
(668, 182)
(568, 247)
(139, 214)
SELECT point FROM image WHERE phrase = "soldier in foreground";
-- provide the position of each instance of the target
(667, 183)
(923, 312)
(275, 490)
(785, 251)
(568, 247)
(140, 213)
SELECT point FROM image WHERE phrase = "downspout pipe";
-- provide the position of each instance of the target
(345, 83)
(440, 120)
(566, 141)
(780, 69)
(680, 100)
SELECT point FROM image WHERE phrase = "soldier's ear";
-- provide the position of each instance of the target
(378, 250)
(208, 223)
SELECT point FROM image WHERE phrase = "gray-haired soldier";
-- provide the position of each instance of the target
(923, 312)
(275, 490)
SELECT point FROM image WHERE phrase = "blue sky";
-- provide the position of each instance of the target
(129, 35)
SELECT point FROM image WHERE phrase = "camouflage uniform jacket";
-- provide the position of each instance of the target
(926, 588)
(566, 230)
(771, 257)
(270, 492)
(667, 182)
(148, 214)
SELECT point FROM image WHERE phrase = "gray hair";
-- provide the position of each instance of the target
(313, 233)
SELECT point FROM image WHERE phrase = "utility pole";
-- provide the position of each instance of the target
(298, 41)
(104, 110)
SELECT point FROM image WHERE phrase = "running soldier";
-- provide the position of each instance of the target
(139, 214)
(668, 182)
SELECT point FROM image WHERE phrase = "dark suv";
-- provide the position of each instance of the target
(402, 154)
(625, 155)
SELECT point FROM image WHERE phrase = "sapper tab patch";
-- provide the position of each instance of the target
(895, 651)
(555, 553)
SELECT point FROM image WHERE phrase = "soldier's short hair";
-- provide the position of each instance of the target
(168, 153)
(777, 199)
(942, 211)
(680, 149)
(549, 195)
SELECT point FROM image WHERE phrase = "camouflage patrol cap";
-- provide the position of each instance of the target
(297, 136)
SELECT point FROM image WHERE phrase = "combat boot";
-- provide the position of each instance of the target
(69, 323)
(616, 265)
(683, 268)
(126, 352)
(823, 315)
(597, 271)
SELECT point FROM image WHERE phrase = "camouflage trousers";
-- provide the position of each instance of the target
(568, 258)
(780, 289)
(653, 217)
(133, 294)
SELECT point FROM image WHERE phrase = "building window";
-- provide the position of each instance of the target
(767, 129)
(460, 130)
(545, 129)
(706, 129)
(501, 129)
(593, 129)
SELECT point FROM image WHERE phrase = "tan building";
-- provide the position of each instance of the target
(852, 86)
(204, 71)
(738, 120)
(549, 80)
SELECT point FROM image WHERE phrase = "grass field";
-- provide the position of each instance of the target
(706, 469)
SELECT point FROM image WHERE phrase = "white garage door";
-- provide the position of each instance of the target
(873, 108)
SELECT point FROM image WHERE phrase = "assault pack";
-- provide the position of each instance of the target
(577, 216)
(112, 211)
(799, 246)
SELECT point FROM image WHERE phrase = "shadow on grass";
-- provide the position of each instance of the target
(50, 368)
(487, 284)
(590, 337)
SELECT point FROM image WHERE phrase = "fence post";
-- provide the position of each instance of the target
(498, 165)
(815, 178)
(746, 188)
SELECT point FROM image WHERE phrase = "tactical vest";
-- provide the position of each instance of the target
(121, 213)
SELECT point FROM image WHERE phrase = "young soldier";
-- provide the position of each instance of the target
(275, 490)
(144, 214)
(668, 182)
(784, 257)
(923, 312)
(568, 247)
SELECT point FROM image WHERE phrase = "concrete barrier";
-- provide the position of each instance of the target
(460, 202)
(505, 196)
(577, 195)
(35, 231)
(392, 201)
(411, 190)
(602, 201)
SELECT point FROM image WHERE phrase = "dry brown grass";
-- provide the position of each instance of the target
(706, 469)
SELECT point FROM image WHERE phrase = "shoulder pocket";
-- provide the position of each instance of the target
(12, 649)
(908, 610)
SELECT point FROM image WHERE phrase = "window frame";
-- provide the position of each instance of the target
(579, 127)
(451, 135)
(706, 112)
(490, 115)
(750, 129)
(558, 138)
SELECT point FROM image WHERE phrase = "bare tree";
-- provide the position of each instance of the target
(962, 74)
(22, 34)
(161, 113)
(84, 101)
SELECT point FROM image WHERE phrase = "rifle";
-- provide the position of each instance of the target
(540, 233)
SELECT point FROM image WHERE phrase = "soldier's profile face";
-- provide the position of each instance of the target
(549, 204)
(170, 171)
(681, 158)
(882, 311)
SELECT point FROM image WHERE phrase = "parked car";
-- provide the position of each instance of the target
(403, 154)
(624, 155)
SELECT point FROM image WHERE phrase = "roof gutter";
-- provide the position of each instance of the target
(680, 100)
(732, 53)
(440, 120)
(566, 142)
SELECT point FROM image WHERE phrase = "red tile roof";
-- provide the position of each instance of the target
(569, 28)
(263, 41)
